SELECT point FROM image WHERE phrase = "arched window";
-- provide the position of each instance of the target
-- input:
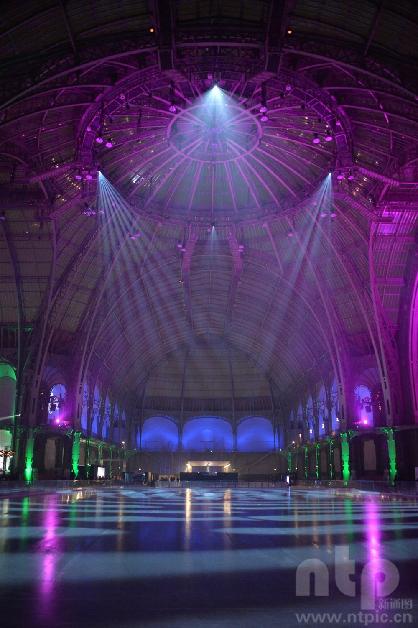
(106, 418)
(255, 434)
(84, 406)
(56, 404)
(322, 411)
(364, 408)
(335, 406)
(7, 392)
(208, 434)
(116, 426)
(310, 418)
(159, 433)
(96, 411)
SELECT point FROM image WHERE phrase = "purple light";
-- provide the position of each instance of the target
(109, 143)
(328, 137)
(365, 421)
(316, 139)
(264, 118)
(99, 139)
(89, 177)
(263, 109)
(340, 176)
(172, 108)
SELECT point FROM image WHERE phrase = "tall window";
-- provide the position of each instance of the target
(56, 405)
(85, 406)
(364, 408)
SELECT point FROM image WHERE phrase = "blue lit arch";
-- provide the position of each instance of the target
(208, 433)
(159, 433)
(255, 434)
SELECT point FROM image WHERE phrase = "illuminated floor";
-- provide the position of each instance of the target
(201, 557)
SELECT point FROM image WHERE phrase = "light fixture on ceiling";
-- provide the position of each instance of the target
(328, 136)
(109, 143)
(315, 139)
(264, 118)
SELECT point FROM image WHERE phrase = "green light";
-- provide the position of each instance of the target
(391, 453)
(25, 510)
(345, 456)
(7, 371)
(28, 473)
(75, 454)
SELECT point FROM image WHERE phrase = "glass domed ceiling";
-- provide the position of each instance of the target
(216, 157)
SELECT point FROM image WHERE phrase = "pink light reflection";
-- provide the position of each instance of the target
(373, 541)
(49, 550)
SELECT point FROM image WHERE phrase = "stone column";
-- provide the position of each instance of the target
(75, 453)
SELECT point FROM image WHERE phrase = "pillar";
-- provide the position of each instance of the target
(100, 454)
(289, 461)
(391, 444)
(345, 456)
(331, 468)
(317, 459)
(88, 464)
(75, 453)
(30, 439)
